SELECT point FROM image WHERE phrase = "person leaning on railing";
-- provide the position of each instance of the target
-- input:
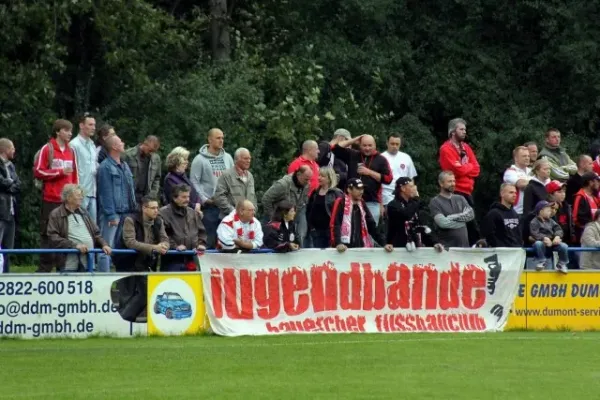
(71, 227)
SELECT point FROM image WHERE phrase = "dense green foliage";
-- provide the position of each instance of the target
(272, 73)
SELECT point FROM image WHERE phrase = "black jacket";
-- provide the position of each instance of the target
(375, 162)
(405, 223)
(501, 227)
(534, 192)
(10, 186)
(339, 166)
(355, 238)
(278, 237)
(564, 217)
(332, 195)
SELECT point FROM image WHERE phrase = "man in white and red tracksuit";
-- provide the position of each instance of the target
(55, 167)
(458, 157)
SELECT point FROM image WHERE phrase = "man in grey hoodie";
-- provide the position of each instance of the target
(210, 163)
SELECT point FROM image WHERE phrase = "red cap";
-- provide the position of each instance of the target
(554, 186)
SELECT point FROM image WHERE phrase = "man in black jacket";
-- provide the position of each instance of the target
(352, 225)
(10, 186)
(405, 226)
(328, 159)
(501, 226)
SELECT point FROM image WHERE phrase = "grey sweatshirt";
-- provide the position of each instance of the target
(206, 169)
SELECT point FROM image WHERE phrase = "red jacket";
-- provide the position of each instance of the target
(300, 161)
(465, 170)
(54, 179)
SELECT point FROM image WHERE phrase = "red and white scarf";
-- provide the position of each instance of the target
(346, 228)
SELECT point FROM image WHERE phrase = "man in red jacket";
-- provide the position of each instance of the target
(55, 167)
(310, 154)
(458, 157)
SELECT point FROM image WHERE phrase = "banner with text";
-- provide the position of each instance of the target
(547, 300)
(42, 306)
(361, 290)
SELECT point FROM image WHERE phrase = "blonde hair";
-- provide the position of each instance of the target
(538, 164)
(330, 174)
(176, 157)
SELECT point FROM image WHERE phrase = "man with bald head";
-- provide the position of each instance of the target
(240, 230)
(10, 187)
(310, 154)
(145, 165)
(210, 163)
(116, 195)
(369, 166)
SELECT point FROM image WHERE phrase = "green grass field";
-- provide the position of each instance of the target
(512, 365)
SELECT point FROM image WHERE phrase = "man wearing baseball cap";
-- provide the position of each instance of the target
(328, 159)
(586, 202)
(352, 225)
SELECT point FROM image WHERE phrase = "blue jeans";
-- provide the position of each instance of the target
(301, 226)
(211, 222)
(542, 253)
(375, 211)
(109, 234)
(89, 205)
(320, 239)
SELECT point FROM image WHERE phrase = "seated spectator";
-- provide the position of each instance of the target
(352, 225)
(184, 228)
(533, 152)
(535, 191)
(591, 238)
(519, 175)
(71, 227)
(405, 228)
(562, 211)
(177, 163)
(586, 202)
(450, 213)
(145, 233)
(240, 230)
(320, 205)
(500, 227)
(561, 164)
(548, 238)
(575, 182)
(280, 233)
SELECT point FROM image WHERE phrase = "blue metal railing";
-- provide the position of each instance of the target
(90, 254)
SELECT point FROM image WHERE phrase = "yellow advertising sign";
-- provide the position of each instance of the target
(549, 300)
(175, 304)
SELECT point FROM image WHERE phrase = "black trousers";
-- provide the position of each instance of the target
(132, 296)
(472, 226)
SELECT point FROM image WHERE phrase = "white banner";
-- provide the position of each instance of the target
(79, 305)
(361, 290)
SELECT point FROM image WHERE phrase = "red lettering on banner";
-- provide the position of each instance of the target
(323, 289)
(239, 293)
(429, 323)
(292, 281)
(266, 293)
(374, 293)
(449, 283)
(473, 287)
(399, 291)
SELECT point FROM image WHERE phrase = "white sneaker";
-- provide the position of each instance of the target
(562, 268)
(540, 266)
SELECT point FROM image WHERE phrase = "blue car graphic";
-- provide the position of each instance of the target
(173, 306)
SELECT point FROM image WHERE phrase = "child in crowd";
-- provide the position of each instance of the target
(548, 238)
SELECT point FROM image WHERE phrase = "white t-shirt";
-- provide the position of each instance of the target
(401, 165)
(512, 175)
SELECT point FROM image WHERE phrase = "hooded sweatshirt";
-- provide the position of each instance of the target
(206, 169)
(501, 227)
